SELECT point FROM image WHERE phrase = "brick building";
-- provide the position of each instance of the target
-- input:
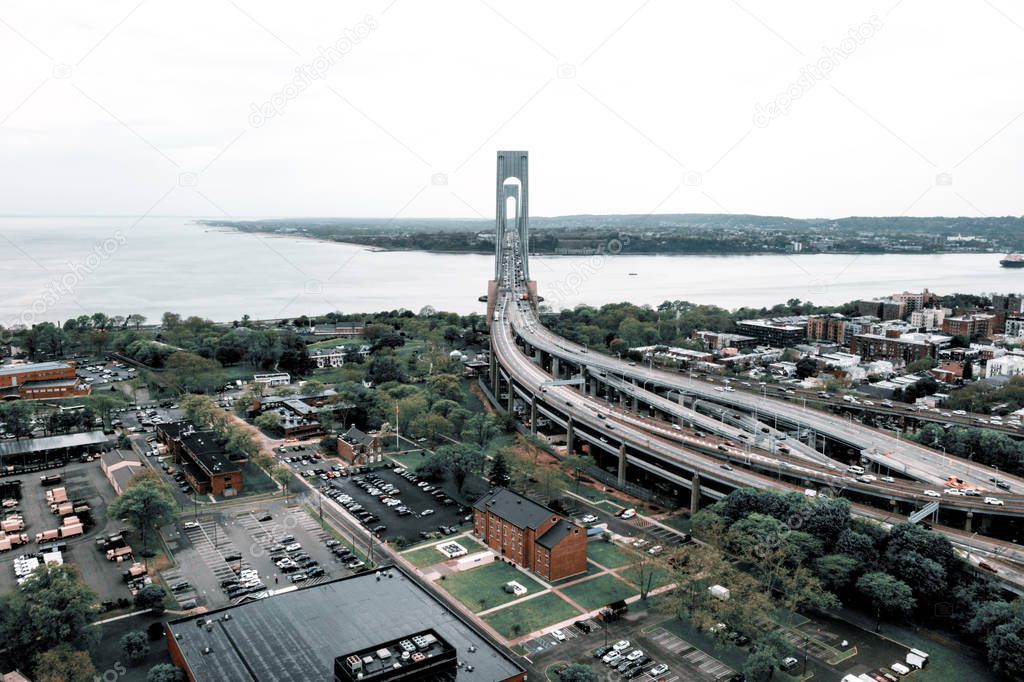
(827, 328)
(41, 380)
(776, 331)
(977, 325)
(891, 347)
(359, 448)
(530, 534)
(201, 458)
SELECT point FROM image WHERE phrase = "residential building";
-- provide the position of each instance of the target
(1009, 365)
(913, 302)
(928, 318)
(896, 346)
(273, 379)
(530, 534)
(344, 330)
(1014, 326)
(202, 459)
(681, 356)
(776, 331)
(41, 380)
(360, 627)
(359, 448)
(1010, 304)
(975, 325)
(719, 340)
(826, 327)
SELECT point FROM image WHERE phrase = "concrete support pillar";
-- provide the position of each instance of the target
(555, 368)
(538, 356)
(511, 396)
(622, 464)
(533, 415)
(568, 436)
(969, 522)
(695, 494)
(636, 404)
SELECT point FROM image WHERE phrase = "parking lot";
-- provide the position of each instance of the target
(406, 507)
(223, 557)
(663, 656)
(102, 372)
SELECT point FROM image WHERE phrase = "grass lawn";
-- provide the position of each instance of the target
(682, 523)
(944, 662)
(530, 615)
(661, 576)
(608, 554)
(596, 592)
(427, 555)
(410, 460)
(480, 588)
(107, 652)
(255, 481)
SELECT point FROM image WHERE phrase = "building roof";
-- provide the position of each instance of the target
(354, 435)
(71, 440)
(204, 446)
(32, 367)
(295, 636)
(123, 475)
(116, 456)
(555, 534)
(520, 511)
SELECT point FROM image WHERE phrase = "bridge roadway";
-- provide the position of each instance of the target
(908, 458)
(664, 442)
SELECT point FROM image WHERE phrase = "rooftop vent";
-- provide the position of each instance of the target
(207, 650)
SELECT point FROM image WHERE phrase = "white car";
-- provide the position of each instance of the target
(621, 645)
(931, 493)
(634, 654)
(654, 551)
(628, 514)
(294, 547)
(558, 634)
(589, 518)
(659, 669)
(994, 501)
(611, 657)
(954, 492)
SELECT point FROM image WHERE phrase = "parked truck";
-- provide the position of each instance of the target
(50, 479)
(12, 524)
(119, 554)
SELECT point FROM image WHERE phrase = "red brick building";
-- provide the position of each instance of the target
(530, 534)
(41, 380)
(358, 448)
(203, 461)
(978, 325)
(892, 346)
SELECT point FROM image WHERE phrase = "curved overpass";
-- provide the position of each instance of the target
(689, 460)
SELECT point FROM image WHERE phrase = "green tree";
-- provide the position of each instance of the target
(1006, 648)
(150, 597)
(52, 608)
(165, 672)
(188, 373)
(269, 422)
(760, 664)
(887, 595)
(63, 663)
(147, 505)
(499, 474)
(134, 645)
(445, 386)
(480, 429)
(283, 475)
(577, 672)
(383, 370)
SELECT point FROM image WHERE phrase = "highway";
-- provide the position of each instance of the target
(889, 450)
(605, 427)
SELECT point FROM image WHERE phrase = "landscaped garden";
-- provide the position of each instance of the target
(481, 588)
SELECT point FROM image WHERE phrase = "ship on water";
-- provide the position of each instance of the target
(1013, 260)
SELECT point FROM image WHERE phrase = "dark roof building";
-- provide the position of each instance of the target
(202, 458)
(530, 534)
(359, 448)
(313, 634)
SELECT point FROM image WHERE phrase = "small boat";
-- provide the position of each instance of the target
(1013, 260)
(632, 274)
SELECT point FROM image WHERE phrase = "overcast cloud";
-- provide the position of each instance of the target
(253, 108)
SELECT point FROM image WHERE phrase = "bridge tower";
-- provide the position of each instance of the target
(512, 182)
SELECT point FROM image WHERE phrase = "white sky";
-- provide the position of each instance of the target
(625, 107)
